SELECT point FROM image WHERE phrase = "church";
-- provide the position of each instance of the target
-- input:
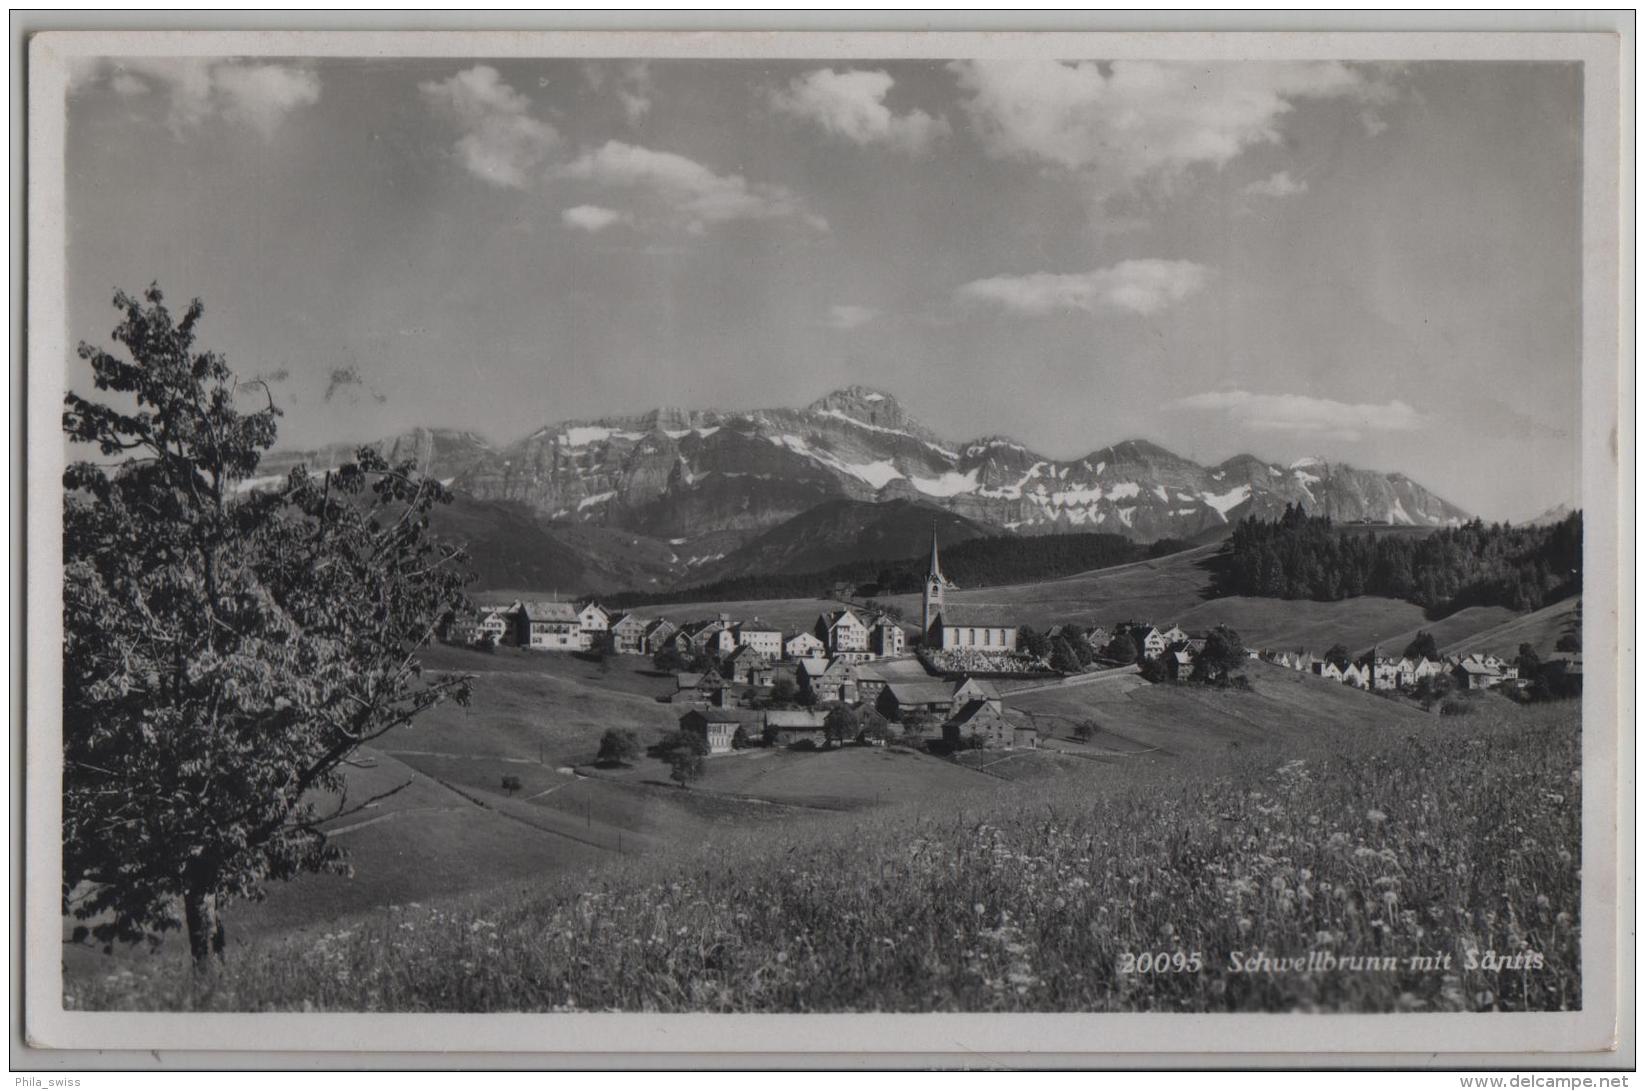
(951, 628)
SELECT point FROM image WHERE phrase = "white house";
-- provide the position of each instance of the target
(761, 637)
(553, 626)
(593, 623)
(804, 646)
(844, 633)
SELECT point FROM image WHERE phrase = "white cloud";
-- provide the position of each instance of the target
(1129, 122)
(851, 105)
(261, 95)
(1142, 285)
(1301, 414)
(591, 218)
(687, 189)
(501, 142)
(1276, 185)
(849, 316)
(199, 89)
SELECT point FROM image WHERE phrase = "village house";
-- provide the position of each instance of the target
(843, 634)
(761, 637)
(1355, 674)
(1473, 674)
(716, 637)
(872, 678)
(803, 645)
(593, 623)
(1326, 669)
(1173, 635)
(1385, 674)
(747, 667)
(553, 626)
(1150, 641)
(719, 726)
(837, 682)
(885, 637)
(658, 634)
(987, 722)
(1179, 661)
(785, 727)
(628, 634)
(502, 623)
(902, 699)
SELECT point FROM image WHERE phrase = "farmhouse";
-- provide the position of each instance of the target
(837, 682)
(872, 678)
(553, 626)
(1326, 669)
(628, 634)
(785, 727)
(900, 699)
(719, 726)
(803, 646)
(988, 723)
(1473, 674)
(1357, 675)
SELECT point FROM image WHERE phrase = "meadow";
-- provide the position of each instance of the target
(1394, 835)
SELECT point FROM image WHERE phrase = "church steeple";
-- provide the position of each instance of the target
(931, 603)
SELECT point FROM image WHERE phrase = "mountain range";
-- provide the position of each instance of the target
(674, 495)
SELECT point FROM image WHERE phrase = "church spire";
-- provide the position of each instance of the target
(931, 601)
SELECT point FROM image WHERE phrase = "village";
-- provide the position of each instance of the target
(743, 682)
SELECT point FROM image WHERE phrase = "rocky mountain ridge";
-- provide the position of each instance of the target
(680, 475)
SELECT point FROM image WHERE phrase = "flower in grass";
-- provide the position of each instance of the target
(1375, 817)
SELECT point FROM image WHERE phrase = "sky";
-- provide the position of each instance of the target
(1376, 264)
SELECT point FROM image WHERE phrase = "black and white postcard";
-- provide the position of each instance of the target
(1111, 540)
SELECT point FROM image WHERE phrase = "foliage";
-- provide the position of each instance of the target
(873, 727)
(225, 650)
(668, 658)
(618, 746)
(1223, 652)
(1080, 646)
(1063, 658)
(1156, 670)
(1337, 655)
(674, 742)
(783, 691)
(1456, 706)
(1422, 646)
(511, 783)
(1122, 648)
(1307, 557)
(739, 738)
(841, 725)
(684, 766)
(1034, 642)
(1086, 730)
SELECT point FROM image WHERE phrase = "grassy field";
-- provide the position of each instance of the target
(1372, 834)
(1540, 628)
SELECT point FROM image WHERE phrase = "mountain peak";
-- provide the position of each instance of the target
(862, 402)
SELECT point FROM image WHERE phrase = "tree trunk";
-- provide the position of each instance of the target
(205, 928)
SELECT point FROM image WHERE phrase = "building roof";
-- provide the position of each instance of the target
(660, 625)
(977, 710)
(630, 620)
(834, 618)
(687, 679)
(893, 670)
(921, 693)
(796, 717)
(727, 715)
(1469, 666)
(812, 667)
(756, 626)
(972, 617)
(550, 611)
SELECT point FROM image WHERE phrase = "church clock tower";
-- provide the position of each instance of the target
(934, 583)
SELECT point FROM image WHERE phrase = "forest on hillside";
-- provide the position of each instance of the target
(980, 562)
(1302, 556)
